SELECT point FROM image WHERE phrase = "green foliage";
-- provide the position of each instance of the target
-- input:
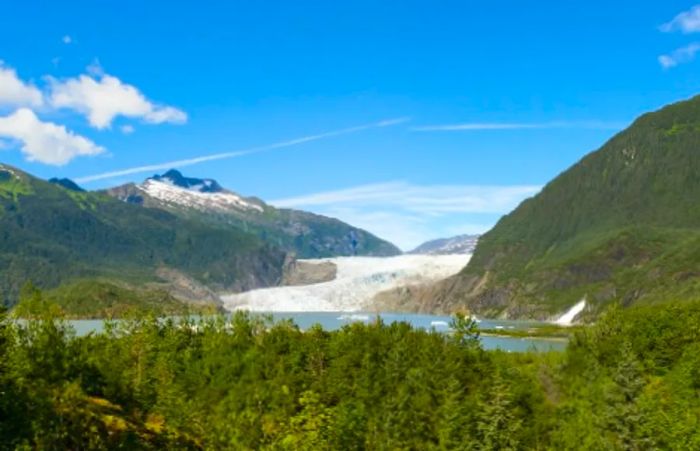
(106, 299)
(497, 425)
(33, 305)
(244, 383)
(620, 225)
(12, 185)
(465, 330)
(543, 330)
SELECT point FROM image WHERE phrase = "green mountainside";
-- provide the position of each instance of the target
(623, 224)
(51, 235)
(98, 299)
(304, 234)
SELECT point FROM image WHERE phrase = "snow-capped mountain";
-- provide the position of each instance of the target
(199, 196)
(305, 234)
(461, 244)
(175, 178)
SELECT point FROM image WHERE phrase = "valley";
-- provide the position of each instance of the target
(367, 225)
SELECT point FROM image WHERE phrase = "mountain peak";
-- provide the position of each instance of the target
(67, 184)
(175, 178)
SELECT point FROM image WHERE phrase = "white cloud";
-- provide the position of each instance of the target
(67, 39)
(686, 22)
(481, 126)
(409, 214)
(105, 97)
(127, 129)
(679, 56)
(15, 92)
(45, 142)
(237, 153)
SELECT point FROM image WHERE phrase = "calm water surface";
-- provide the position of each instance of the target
(336, 320)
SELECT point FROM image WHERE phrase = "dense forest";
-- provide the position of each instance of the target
(631, 381)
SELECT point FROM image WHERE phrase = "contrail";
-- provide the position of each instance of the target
(478, 126)
(238, 153)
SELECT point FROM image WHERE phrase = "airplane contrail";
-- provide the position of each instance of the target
(238, 153)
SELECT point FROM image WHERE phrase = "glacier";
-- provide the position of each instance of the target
(357, 281)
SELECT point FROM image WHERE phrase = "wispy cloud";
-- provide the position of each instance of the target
(409, 214)
(127, 129)
(427, 200)
(680, 56)
(485, 126)
(238, 153)
(686, 22)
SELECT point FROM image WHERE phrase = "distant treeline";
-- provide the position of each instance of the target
(629, 382)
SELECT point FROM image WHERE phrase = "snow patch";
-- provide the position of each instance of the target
(357, 281)
(7, 169)
(167, 192)
(568, 318)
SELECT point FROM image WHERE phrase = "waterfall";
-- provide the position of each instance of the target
(567, 318)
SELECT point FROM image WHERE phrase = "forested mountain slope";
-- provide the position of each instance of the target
(622, 224)
(51, 234)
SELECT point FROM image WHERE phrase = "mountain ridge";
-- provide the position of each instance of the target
(53, 235)
(305, 234)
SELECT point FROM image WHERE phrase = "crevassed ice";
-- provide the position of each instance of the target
(358, 280)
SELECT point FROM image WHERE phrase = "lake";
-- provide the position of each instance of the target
(336, 320)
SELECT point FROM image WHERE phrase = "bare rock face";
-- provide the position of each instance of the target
(186, 288)
(300, 272)
(459, 293)
(415, 298)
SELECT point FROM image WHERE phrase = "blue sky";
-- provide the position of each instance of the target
(496, 98)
